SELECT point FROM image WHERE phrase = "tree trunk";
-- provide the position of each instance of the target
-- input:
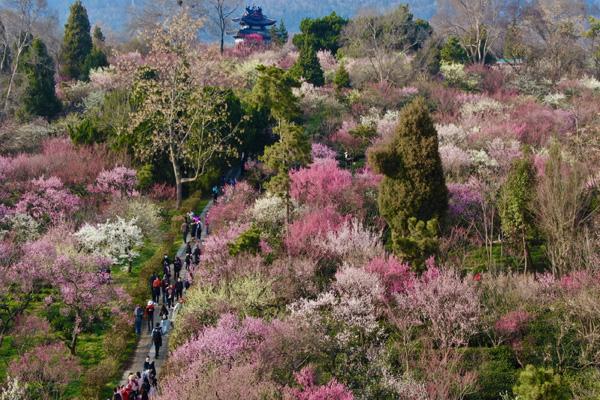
(178, 180)
(222, 39)
(73, 343)
(12, 79)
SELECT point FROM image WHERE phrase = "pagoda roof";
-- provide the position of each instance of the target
(254, 17)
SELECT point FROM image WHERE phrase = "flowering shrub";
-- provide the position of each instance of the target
(48, 200)
(230, 207)
(309, 390)
(455, 160)
(120, 182)
(305, 233)
(49, 366)
(448, 307)
(322, 152)
(352, 243)
(162, 192)
(117, 240)
(268, 211)
(465, 201)
(397, 277)
(321, 184)
(512, 323)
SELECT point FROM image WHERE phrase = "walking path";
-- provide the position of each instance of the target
(145, 347)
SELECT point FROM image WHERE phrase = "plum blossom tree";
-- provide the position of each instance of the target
(48, 200)
(119, 181)
(310, 390)
(116, 240)
(47, 368)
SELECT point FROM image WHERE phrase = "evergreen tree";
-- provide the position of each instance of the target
(96, 59)
(39, 96)
(516, 206)
(98, 36)
(321, 33)
(77, 43)
(453, 52)
(308, 66)
(413, 185)
(273, 93)
(341, 80)
(279, 34)
(292, 150)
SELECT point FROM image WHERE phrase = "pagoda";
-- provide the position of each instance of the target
(254, 25)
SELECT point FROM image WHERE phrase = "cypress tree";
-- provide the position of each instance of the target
(341, 80)
(413, 194)
(77, 43)
(516, 206)
(39, 96)
(283, 33)
(308, 66)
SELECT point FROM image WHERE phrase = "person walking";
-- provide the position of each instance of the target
(215, 192)
(178, 289)
(150, 315)
(157, 339)
(185, 228)
(197, 253)
(165, 286)
(139, 316)
(165, 323)
(177, 267)
(156, 285)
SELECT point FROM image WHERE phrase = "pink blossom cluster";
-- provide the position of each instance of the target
(49, 199)
(319, 151)
(119, 181)
(229, 208)
(512, 322)
(305, 233)
(465, 201)
(322, 183)
(395, 275)
(310, 390)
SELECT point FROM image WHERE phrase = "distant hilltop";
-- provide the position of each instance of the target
(114, 14)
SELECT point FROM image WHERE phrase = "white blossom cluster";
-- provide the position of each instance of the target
(117, 240)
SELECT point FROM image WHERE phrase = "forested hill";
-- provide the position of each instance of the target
(114, 14)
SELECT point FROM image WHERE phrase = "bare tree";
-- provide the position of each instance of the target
(20, 18)
(219, 14)
(478, 24)
(145, 15)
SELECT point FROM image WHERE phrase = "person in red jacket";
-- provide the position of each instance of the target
(150, 315)
(156, 285)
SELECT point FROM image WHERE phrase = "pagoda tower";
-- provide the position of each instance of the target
(253, 26)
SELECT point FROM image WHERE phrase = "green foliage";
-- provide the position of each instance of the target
(341, 80)
(273, 92)
(97, 35)
(418, 244)
(453, 52)
(308, 66)
(279, 34)
(540, 384)
(247, 242)
(496, 371)
(292, 150)
(96, 59)
(86, 132)
(77, 43)
(413, 185)
(321, 33)
(516, 204)
(39, 96)
(514, 47)
(428, 58)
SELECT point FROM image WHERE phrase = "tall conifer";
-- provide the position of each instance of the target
(77, 43)
(308, 66)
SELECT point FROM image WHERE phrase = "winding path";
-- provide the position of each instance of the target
(144, 346)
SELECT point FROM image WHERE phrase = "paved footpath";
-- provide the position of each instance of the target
(145, 347)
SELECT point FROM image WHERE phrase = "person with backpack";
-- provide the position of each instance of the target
(139, 316)
(150, 315)
(157, 339)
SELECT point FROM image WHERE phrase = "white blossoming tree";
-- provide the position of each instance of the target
(117, 240)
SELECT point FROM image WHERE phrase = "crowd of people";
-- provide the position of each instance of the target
(167, 292)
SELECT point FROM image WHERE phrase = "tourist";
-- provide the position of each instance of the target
(198, 233)
(150, 315)
(196, 253)
(157, 339)
(185, 228)
(164, 286)
(188, 261)
(156, 285)
(139, 316)
(215, 192)
(178, 289)
(177, 264)
(166, 260)
(165, 323)
(151, 281)
(116, 394)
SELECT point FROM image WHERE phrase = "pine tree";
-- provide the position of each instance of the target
(39, 96)
(308, 66)
(77, 43)
(413, 185)
(341, 80)
(282, 33)
(453, 52)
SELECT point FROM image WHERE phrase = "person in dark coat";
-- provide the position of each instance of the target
(157, 339)
(177, 267)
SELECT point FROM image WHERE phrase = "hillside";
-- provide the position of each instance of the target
(115, 13)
